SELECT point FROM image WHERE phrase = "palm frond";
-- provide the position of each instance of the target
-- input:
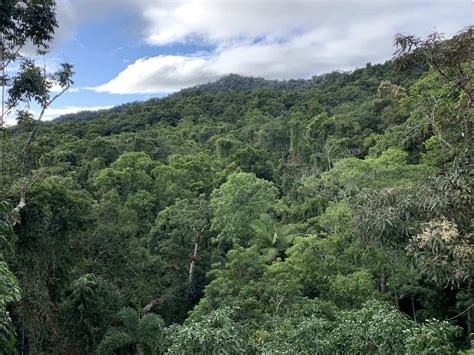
(130, 319)
(115, 339)
(149, 330)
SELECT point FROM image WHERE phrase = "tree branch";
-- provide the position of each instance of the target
(155, 302)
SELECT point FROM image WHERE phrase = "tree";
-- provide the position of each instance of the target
(236, 203)
(103, 149)
(185, 177)
(269, 238)
(295, 138)
(442, 253)
(235, 283)
(387, 103)
(9, 293)
(213, 333)
(85, 313)
(128, 174)
(449, 58)
(444, 99)
(21, 23)
(445, 256)
(59, 214)
(320, 263)
(9, 290)
(114, 250)
(180, 237)
(432, 337)
(360, 331)
(135, 335)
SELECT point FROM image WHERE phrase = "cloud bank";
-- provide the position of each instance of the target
(52, 113)
(274, 39)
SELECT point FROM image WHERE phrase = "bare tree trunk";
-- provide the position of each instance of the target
(149, 306)
(22, 202)
(413, 307)
(193, 259)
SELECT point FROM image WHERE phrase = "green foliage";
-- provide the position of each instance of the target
(432, 337)
(181, 237)
(351, 290)
(361, 331)
(255, 216)
(270, 239)
(136, 335)
(36, 21)
(9, 293)
(376, 328)
(337, 219)
(28, 85)
(315, 259)
(29, 23)
(442, 254)
(236, 203)
(215, 333)
(9, 290)
(384, 171)
(302, 335)
(85, 312)
(102, 148)
(235, 284)
(185, 176)
(128, 174)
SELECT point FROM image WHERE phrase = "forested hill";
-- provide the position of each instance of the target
(321, 216)
(366, 79)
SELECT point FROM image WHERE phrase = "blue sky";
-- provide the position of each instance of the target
(128, 50)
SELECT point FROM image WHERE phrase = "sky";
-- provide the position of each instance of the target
(129, 50)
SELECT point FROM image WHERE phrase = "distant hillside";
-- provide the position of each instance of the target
(235, 82)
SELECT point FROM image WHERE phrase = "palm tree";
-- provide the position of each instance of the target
(269, 238)
(135, 336)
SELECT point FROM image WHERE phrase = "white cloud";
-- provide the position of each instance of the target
(271, 38)
(56, 112)
(159, 74)
(52, 113)
(229, 20)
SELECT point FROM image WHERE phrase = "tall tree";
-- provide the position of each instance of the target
(181, 238)
(236, 203)
(23, 22)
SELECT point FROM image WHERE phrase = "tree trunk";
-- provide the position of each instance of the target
(149, 306)
(413, 307)
(193, 259)
(383, 286)
(469, 321)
